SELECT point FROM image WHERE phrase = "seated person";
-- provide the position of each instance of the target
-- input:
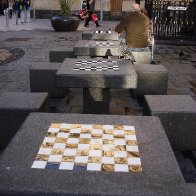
(136, 27)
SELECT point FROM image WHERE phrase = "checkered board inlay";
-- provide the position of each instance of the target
(90, 147)
(99, 31)
(101, 44)
(90, 65)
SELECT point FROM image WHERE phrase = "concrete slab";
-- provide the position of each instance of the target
(104, 35)
(96, 48)
(14, 108)
(86, 73)
(160, 175)
(178, 116)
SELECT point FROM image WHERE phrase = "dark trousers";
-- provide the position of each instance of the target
(89, 18)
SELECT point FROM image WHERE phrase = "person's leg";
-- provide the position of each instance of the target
(97, 24)
(88, 19)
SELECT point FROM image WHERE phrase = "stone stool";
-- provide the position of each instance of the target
(14, 108)
(178, 116)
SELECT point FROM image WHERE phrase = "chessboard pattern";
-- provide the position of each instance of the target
(100, 31)
(89, 147)
(93, 65)
(99, 44)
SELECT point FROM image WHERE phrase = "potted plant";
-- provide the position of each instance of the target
(65, 21)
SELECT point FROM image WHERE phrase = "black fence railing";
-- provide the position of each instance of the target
(173, 19)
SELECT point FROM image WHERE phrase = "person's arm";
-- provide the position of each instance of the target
(120, 27)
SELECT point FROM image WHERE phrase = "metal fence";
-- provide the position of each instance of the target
(173, 19)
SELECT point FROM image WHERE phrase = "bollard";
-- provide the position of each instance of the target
(25, 15)
(7, 17)
(16, 18)
(33, 14)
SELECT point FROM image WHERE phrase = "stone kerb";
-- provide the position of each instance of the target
(14, 108)
(42, 79)
(178, 116)
(59, 56)
(152, 80)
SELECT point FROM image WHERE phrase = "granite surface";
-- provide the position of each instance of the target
(96, 48)
(125, 77)
(100, 35)
(160, 176)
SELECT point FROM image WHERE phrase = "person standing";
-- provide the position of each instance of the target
(91, 10)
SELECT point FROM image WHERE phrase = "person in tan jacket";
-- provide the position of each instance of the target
(136, 27)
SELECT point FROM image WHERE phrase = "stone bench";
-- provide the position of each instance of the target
(178, 116)
(142, 56)
(60, 56)
(27, 169)
(14, 108)
(152, 80)
(42, 79)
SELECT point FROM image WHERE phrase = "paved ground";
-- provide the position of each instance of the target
(37, 38)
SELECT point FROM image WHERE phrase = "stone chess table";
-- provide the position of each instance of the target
(96, 48)
(70, 154)
(104, 35)
(96, 77)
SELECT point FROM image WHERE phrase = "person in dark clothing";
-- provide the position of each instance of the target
(91, 9)
(17, 8)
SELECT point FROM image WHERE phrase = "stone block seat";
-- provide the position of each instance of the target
(142, 55)
(70, 154)
(152, 80)
(14, 108)
(42, 79)
(178, 116)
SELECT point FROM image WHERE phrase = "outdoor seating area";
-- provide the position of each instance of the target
(97, 104)
(95, 152)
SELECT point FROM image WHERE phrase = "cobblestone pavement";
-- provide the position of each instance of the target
(37, 38)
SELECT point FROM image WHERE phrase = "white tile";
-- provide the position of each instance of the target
(108, 147)
(97, 131)
(119, 142)
(86, 126)
(76, 130)
(83, 146)
(94, 167)
(72, 141)
(134, 161)
(129, 127)
(49, 140)
(132, 148)
(66, 166)
(130, 137)
(39, 164)
(108, 160)
(121, 168)
(96, 141)
(65, 125)
(81, 159)
(59, 146)
(95, 153)
(45, 151)
(108, 127)
(63, 135)
(55, 158)
(70, 152)
(53, 130)
(120, 153)
(108, 136)
(85, 135)
(118, 132)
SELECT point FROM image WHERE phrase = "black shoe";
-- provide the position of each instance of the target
(98, 25)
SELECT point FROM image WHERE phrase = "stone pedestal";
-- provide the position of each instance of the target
(96, 100)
